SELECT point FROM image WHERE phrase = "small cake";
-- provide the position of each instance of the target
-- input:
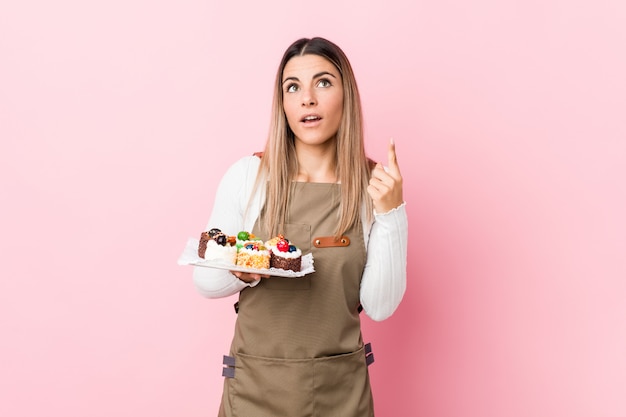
(217, 246)
(253, 254)
(284, 255)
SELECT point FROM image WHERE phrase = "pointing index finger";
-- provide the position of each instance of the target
(392, 158)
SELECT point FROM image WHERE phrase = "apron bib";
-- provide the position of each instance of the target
(297, 349)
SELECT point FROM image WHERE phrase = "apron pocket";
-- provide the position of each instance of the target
(322, 387)
(269, 387)
(342, 386)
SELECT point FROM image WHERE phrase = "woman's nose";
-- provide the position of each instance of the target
(308, 98)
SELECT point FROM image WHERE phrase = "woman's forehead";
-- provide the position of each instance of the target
(308, 66)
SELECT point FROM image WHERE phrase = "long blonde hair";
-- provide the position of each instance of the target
(279, 164)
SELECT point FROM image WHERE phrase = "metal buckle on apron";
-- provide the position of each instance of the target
(369, 356)
(229, 370)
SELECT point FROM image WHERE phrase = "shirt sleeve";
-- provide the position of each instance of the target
(384, 278)
(229, 208)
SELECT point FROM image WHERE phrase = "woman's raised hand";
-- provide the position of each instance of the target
(385, 187)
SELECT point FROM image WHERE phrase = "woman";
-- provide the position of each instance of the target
(297, 348)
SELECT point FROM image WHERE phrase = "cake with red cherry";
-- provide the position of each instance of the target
(283, 254)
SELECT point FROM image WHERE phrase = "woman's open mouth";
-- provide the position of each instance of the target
(310, 118)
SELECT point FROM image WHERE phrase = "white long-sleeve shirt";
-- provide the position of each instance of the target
(384, 278)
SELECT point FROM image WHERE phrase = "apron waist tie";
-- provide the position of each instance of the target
(369, 355)
(229, 369)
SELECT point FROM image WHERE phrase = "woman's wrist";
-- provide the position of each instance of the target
(391, 210)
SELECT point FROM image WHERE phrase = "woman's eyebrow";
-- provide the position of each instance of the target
(319, 74)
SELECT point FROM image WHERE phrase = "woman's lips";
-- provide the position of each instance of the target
(311, 119)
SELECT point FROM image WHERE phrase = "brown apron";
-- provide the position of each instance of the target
(297, 349)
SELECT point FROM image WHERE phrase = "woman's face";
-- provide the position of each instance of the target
(312, 98)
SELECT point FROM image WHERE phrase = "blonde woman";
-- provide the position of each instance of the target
(297, 349)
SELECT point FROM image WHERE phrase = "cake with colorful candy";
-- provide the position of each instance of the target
(253, 254)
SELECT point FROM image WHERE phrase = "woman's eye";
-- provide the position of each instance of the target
(291, 88)
(324, 83)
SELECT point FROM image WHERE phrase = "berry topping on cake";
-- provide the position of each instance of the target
(213, 232)
(221, 239)
(282, 245)
(255, 246)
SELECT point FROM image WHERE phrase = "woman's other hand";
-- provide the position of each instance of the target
(247, 277)
(385, 187)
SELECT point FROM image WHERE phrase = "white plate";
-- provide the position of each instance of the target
(190, 257)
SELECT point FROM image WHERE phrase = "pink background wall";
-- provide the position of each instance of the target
(118, 118)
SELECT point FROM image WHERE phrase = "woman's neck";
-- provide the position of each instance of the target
(316, 164)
